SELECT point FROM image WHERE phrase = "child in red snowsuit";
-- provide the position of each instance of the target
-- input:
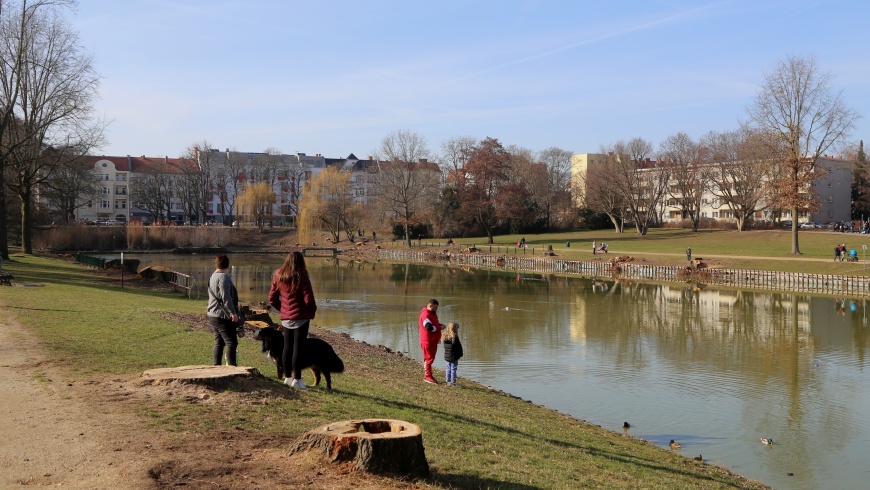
(430, 337)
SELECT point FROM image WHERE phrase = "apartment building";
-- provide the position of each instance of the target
(832, 188)
(119, 175)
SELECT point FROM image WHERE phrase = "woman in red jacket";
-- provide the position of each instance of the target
(292, 295)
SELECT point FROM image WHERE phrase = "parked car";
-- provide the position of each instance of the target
(809, 225)
(786, 223)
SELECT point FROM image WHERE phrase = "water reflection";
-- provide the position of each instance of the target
(714, 369)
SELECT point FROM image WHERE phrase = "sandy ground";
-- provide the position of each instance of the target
(50, 435)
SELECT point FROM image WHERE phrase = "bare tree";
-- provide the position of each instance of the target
(291, 177)
(70, 187)
(689, 175)
(229, 182)
(557, 199)
(408, 182)
(738, 172)
(268, 165)
(47, 87)
(455, 152)
(640, 185)
(806, 117)
(638, 149)
(602, 193)
(152, 189)
(198, 168)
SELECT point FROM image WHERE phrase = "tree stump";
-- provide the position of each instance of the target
(213, 376)
(373, 445)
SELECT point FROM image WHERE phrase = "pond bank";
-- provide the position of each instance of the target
(626, 267)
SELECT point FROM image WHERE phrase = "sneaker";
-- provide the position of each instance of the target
(298, 384)
(288, 381)
(430, 380)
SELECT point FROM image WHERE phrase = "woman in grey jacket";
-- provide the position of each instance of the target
(223, 298)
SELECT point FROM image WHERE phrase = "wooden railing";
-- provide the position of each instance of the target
(837, 284)
(95, 262)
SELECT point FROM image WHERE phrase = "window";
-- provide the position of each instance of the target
(121, 204)
(105, 204)
(830, 199)
(121, 191)
(120, 177)
(105, 191)
(715, 214)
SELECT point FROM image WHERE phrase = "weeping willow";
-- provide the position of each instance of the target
(256, 201)
(326, 204)
(306, 222)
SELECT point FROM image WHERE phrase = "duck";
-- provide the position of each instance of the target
(626, 425)
(767, 440)
(675, 445)
(699, 458)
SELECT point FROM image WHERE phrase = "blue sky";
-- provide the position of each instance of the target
(334, 77)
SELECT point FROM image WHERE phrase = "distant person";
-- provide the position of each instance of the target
(452, 352)
(594, 248)
(430, 337)
(222, 312)
(837, 252)
(603, 247)
(843, 252)
(292, 295)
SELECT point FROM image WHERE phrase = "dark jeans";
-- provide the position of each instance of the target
(224, 335)
(294, 343)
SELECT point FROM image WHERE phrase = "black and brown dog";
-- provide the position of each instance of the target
(318, 355)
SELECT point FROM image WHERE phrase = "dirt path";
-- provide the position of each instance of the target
(50, 435)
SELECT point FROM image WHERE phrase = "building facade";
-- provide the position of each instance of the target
(124, 181)
(832, 188)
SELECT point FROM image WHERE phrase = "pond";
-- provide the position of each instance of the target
(714, 369)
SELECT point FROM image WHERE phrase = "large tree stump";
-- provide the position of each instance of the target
(213, 376)
(373, 445)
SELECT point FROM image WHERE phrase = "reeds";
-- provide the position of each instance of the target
(78, 237)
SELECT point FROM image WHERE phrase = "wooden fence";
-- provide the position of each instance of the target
(836, 284)
(95, 262)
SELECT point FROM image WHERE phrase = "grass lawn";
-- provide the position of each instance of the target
(762, 250)
(474, 437)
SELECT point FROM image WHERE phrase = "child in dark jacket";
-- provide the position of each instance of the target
(452, 351)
